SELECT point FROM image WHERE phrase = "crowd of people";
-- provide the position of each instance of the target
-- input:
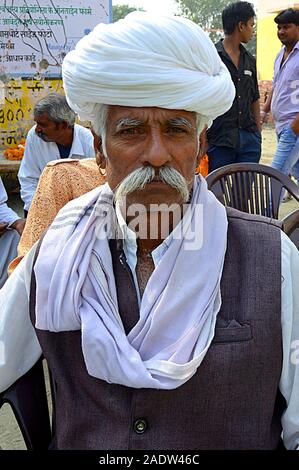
(143, 292)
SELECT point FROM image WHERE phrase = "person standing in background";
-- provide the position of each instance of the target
(235, 137)
(283, 98)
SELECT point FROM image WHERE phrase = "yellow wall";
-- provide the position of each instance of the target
(16, 115)
(264, 7)
(267, 46)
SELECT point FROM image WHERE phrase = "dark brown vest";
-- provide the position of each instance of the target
(232, 402)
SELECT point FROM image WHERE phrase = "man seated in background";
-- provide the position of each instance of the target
(54, 136)
(11, 227)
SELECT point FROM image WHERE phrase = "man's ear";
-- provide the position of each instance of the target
(241, 26)
(100, 157)
(199, 153)
(203, 144)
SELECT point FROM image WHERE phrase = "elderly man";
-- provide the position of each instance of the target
(11, 227)
(146, 295)
(54, 136)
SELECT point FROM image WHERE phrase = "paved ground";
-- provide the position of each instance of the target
(10, 437)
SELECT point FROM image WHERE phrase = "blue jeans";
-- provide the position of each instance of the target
(247, 150)
(287, 153)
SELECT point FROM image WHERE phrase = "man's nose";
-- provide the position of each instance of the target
(156, 152)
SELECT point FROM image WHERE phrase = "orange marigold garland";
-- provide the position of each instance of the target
(15, 152)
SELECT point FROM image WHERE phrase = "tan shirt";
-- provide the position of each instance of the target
(61, 181)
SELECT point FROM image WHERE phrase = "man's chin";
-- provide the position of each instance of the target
(155, 194)
(43, 138)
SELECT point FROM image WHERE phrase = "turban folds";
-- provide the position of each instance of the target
(144, 60)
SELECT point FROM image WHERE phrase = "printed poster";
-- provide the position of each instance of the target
(36, 35)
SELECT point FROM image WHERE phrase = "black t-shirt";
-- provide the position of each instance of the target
(224, 131)
(64, 151)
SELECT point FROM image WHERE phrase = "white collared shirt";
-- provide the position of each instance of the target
(38, 153)
(130, 248)
(6, 213)
(20, 349)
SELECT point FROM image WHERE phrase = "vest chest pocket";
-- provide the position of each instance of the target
(232, 332)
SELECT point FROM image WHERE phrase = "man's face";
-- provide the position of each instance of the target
(247, 30)
(47, 130)
(138, 137)
(288, 33)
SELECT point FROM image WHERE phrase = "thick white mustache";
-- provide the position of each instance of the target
(137, 180)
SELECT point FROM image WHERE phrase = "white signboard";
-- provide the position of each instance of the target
(36, 35)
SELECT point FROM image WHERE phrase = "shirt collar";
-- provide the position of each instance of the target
(77, 147)
(282, 50)
(127, 234)
(220, 48)
(130, 240)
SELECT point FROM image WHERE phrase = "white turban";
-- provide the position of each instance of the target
(145, 60)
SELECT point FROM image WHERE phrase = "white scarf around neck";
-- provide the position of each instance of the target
(76, 291)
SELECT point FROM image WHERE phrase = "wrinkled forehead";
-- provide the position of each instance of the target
(147, 115)
(42, 118)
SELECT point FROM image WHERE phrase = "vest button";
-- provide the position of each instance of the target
(140, 426)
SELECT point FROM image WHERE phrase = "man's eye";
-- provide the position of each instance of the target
(130, 131)
(177, 130)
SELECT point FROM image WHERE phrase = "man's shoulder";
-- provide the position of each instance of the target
(219, 46)
(84, 202)
(281, 51)
(31, 134)
(67, 161)
(79, 169)
(248, 54)
(238, 217)
(81, 130)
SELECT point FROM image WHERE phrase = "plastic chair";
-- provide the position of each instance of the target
(28, 400)
(251, 187)
(291, 226)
